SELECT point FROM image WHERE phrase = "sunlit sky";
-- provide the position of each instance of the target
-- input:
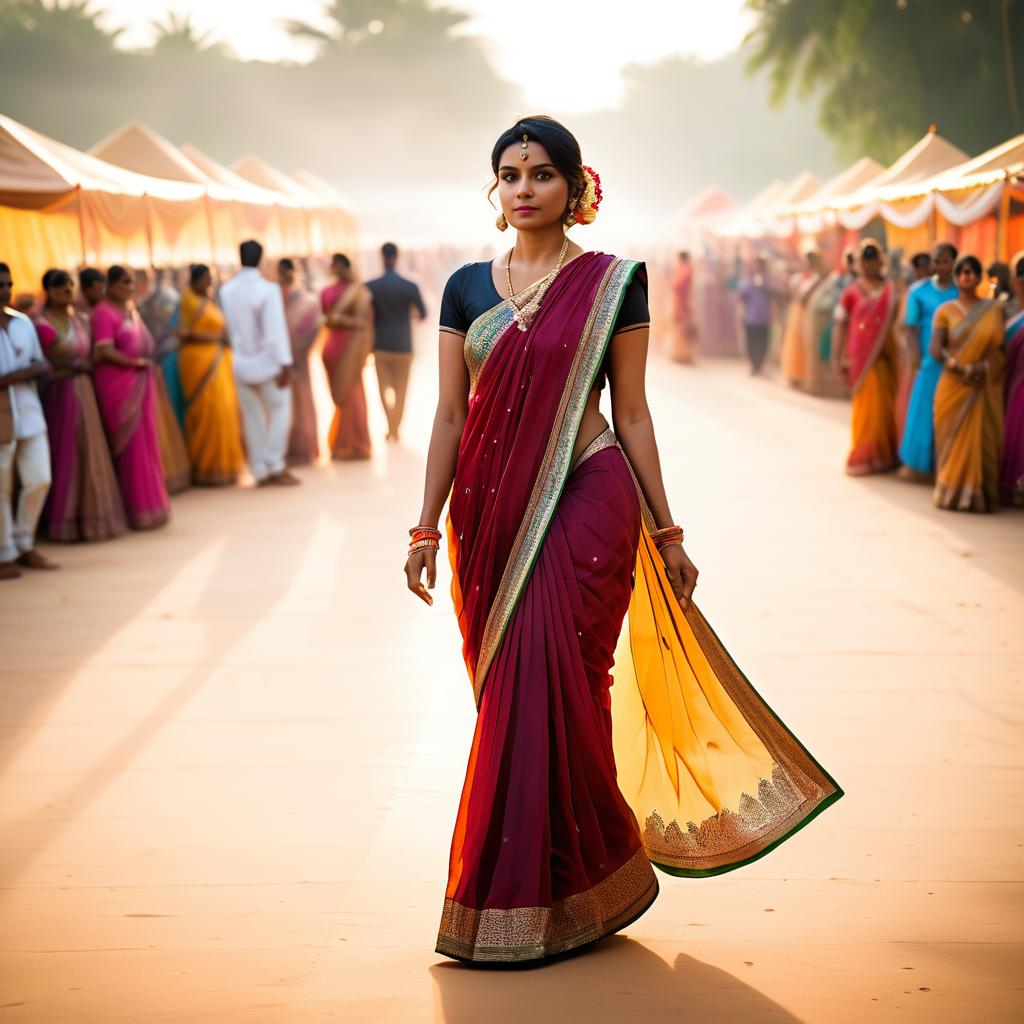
(563, 55)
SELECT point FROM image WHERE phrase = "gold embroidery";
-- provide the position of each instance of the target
(554, 467)
(603, 440)
(531, 933)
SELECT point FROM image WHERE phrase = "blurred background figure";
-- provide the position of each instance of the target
(302, 313)
(802, 286)
(717, 311)
(921, 266)
(348, 308)
(92, 287)
(84, 502)
(396, 300)
(212, 426)
(967, 338)
(917, 445)
(684, 327)
(124, 375)
(756, 298)
(262, 361)
(1000, 287)
(158, 306)
(866, 353)
(1012, 472)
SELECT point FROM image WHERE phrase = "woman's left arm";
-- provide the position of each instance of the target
(635, 431)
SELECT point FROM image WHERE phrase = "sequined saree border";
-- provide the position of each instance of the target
(554, 467)
(797, 792)
(536, 933)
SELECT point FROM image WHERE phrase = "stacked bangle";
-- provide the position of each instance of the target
(424, 537)
(669, 535)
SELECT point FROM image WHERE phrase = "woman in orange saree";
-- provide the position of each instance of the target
(348, 308)
(793, 360)
(213, 431)
(866, 352)
(684, 329)
(574, 788)
(967, 339)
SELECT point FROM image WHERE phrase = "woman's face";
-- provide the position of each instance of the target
(1019, 280)
(967, 280)
(61, 294)
(532, 192)
(202, 284)
(124, 289)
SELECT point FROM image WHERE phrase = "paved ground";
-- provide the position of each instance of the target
(232, 753)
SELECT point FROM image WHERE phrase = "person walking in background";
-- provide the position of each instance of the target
(755, 295)
(917, 446)
(126, 391)
(262, 353)
(84, 502)
(866, 354)
(395, 299)
(348, 307)
(967, 340)
(684, 328)
(1000, 287)
(1012, 471)
(23, 442)
(92, 287)
(212, 431)
(302, 312)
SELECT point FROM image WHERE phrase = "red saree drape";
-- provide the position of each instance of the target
(548, 853)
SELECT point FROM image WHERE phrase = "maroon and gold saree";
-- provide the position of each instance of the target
(571, 793)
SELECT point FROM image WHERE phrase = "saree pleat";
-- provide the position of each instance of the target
(349, 434)
(558, 819)
(969, 417)
(173, 453)
(302, 311)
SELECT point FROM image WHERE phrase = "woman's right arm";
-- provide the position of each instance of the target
(449, 419)
(106, 352)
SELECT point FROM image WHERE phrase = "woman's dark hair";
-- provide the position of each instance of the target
(560, 143)
(55, 278)
(965, 262)
(921, 259)
(196, 271)
(339, 259)
(1018, 265)
(89, 276)
(870, 251)
(286, 264)
(116, 273)
(947, 247)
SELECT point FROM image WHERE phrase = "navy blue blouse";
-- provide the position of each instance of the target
(470, 291)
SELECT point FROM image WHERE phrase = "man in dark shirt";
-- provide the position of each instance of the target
(394, 300)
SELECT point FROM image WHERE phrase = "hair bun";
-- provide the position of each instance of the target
(590, 200)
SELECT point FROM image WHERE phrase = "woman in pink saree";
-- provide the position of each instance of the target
(125, 381)
(84, 502)
(348, 308)
(574, 788)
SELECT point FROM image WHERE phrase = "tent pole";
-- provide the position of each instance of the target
(149, 227)
(209, 228)
(933, 224)
(81, 223)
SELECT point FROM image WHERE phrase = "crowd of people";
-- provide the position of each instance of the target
(131, 391)
(931, 355)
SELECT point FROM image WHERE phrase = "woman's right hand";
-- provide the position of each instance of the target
(425, 558)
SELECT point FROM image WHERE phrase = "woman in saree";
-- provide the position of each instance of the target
(866, 353)
(84, 502)
(348, 309)
(1012, 473)
(822, 377)
(967, 339)
(213, 431)
(794, 346)
(573, 791)
(684, 328)
(126, 391)
(302, 311)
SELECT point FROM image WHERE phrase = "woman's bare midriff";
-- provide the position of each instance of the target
(593, 424)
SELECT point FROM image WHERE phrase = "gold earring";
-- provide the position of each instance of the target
(570, 217)
(501, 223)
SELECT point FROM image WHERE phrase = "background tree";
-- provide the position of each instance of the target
(887, 69)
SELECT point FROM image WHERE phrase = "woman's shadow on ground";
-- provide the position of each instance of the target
(618, 980)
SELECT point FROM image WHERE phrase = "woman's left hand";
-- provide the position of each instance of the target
(682, 573)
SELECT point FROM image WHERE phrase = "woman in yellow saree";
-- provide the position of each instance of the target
(575, 787)
(967, 339)
(793, 360)
(212, 430)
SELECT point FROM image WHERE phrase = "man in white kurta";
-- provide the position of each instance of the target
(262, 357)
(24, 443)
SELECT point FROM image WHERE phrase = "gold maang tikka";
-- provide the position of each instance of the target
(524, 153)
